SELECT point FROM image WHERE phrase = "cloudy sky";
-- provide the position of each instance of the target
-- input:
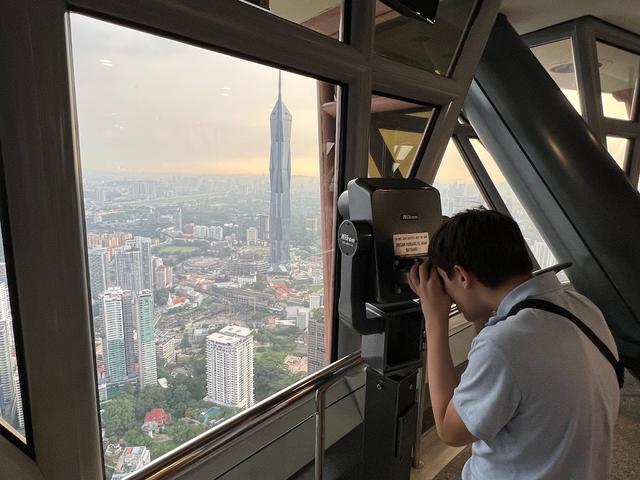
(151, 105)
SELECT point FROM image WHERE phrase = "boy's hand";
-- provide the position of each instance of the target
(427, 284)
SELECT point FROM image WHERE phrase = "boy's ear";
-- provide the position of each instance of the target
(464, 276)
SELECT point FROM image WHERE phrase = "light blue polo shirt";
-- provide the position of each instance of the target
(539, 396)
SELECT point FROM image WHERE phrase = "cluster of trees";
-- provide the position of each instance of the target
(269, 371)
(123, 416)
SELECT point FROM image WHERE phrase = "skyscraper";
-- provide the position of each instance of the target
(129, 267)
(129, 324)
(263, 227)
(280, 180)
(114, 353)
(230, 367)
(97, 271)
(6, 371)
(148, 370)
(144, 245)
(315, 341)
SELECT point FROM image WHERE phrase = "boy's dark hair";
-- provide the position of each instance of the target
(485, 242)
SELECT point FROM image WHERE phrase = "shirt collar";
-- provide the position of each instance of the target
(533, 287)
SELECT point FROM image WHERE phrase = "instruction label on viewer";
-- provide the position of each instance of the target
(410, 244)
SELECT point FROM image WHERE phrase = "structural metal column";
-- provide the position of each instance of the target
(573, 190)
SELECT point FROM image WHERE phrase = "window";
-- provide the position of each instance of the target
(618, 149)
(397, 129)
(557, 59)
(431, 47)
(208, 198)
(322, 16)
(618, 76)
(457, 188)
(11, 408)
(534, 239)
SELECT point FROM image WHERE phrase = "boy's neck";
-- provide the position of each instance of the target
(495, 296)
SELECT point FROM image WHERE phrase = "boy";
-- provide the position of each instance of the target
(537, 399)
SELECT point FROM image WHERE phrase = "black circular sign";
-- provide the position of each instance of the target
(347, 238)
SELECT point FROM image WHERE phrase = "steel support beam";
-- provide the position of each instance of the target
(568, 182)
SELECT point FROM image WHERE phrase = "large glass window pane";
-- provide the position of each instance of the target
(557, 59)
(618, 76)
(11, 409)
(397, 128)
(208, 189)
(458, 190)
(618, 148)
(322, 16)
(431, 47)
(534, 239)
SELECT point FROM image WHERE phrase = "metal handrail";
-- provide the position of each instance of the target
(202, 446)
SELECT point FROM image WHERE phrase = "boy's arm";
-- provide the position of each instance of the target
(442, 381)
(436, 305)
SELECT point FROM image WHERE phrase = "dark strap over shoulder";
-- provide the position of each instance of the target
(558, 310)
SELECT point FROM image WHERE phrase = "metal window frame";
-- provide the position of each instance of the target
(584, 32)
(43, 176)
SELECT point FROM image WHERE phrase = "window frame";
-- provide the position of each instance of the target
(584, 33)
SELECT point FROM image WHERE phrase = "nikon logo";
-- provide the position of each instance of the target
(346, 238)
(409, 216)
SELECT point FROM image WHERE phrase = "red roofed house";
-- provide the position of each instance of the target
(154, 420)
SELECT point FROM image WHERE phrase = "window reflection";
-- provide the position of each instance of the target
(618, 70)
(557, 58)
(431, 47)
(397, 128)
(322, 16)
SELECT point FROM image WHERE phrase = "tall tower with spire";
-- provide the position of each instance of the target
(280, 176)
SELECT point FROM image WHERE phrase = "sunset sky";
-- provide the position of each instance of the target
(151, 105)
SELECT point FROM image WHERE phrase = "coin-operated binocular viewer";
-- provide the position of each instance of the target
(387, 226)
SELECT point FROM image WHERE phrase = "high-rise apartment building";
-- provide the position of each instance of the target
(148, 370)
(316, 300)
(97, 271)
(263, 227)
(129, 325)
(17, 397)
(315, 341)
(177, 219)
(163, 276)
(129, 267)
(201, 231)
(280, 180)
(144, 245)
(113, 343)
(230, 367)
(216, 233)
(7, 384)
(252, 236)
